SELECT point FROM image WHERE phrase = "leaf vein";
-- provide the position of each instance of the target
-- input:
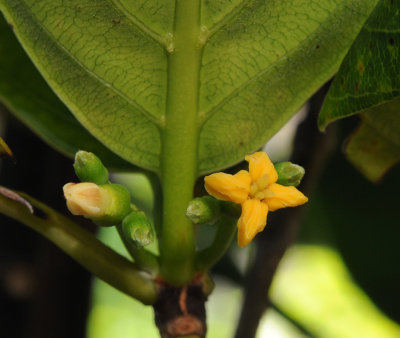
(259, 75)
(141, 109)
(139, 24)
(228, 18)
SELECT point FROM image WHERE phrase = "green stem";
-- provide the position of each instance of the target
(144, 259)
(84, 247)
(155, 183)
(225, 232)
(180, 138)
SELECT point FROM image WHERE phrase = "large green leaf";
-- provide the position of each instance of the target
(25, 92)
(263, 60)
(370, 73)
(108, 60)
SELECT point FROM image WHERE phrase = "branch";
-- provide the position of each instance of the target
(83, 247)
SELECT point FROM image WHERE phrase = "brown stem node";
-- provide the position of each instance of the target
(180, 311)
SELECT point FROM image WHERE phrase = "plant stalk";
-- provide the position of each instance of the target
(225, 232)
(84, 247)
(144, 259)
(180, 138)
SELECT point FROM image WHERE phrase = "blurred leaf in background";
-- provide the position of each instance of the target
(369, 77)
(361, 220)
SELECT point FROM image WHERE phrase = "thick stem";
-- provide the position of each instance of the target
(180, 311)
(84, 247)
(180, 137)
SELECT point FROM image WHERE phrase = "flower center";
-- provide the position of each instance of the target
(259, 188)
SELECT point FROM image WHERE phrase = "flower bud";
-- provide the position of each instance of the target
(289, 174)
(106, 205)
(137, 229)
(203, 210)
(89, 168)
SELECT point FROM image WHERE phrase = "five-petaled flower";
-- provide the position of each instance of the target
(257, 191)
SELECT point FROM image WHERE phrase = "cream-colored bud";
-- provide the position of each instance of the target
(105, 204)
(85, 199)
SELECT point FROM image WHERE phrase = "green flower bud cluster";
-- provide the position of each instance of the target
(106, 204)
(289, 174)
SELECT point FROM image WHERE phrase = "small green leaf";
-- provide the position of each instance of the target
(25, 93)
(375, 147)
(370, 73)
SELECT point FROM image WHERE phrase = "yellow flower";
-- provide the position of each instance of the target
(257, 191)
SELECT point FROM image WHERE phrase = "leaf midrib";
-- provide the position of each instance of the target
(142, 110)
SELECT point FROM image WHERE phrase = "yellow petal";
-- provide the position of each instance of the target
(284, 197)
(260, 165)
(252, 220)
(244, 177)
(227, 187)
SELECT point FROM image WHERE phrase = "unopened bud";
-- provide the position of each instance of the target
(137, 229)
(106, 205)
(89, 168)
(203, 210)
(289, 174)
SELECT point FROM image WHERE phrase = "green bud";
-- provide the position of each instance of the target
(137, 229)
(105, 204)
(289, 173)
(89, 168)
(203, 210)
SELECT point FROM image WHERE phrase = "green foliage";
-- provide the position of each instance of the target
(109, 63)
(368, 77)
(375, 146)
(23, 90)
